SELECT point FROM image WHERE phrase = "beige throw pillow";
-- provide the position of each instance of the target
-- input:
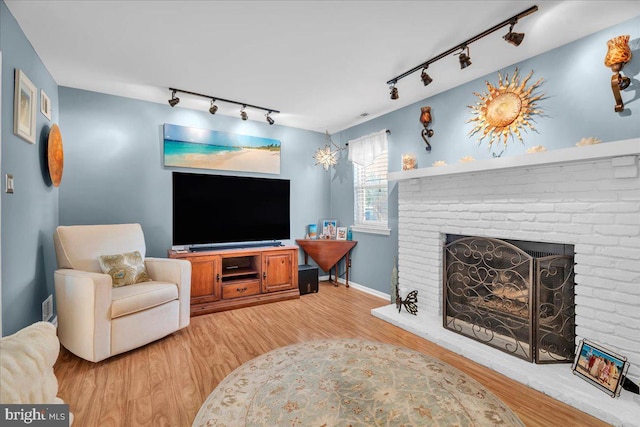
(124, 269)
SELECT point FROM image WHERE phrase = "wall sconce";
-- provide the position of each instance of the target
(618, 54)
(425, 119)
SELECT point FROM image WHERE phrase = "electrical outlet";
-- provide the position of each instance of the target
(47, 308)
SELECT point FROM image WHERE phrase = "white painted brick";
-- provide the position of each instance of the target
(590, 302)
(627, 219)
(598, 240)
(584, 203)
(617, 230)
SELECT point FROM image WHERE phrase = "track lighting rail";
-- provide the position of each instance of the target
(464, 45)
(215, 98)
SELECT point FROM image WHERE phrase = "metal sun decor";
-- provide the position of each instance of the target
(326, 156)
(505, 110)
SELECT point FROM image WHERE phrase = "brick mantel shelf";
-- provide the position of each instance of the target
(623, 151)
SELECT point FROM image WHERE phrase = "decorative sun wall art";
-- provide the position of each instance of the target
(506, 109)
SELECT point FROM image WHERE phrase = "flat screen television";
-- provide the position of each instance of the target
(215, 209)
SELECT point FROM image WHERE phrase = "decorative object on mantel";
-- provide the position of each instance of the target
(425, 119)
(618, 54)
(536, 149)
(55, 155)
(410, 302)
(467, 159)
(463, 56)
(588, 141)
(409, 162)
(505, 110)
(328, 155)
(438, 163)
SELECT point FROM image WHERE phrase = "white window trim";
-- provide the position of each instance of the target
(384, 231)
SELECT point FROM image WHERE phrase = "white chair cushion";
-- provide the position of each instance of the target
(141, 296)
(78, 247)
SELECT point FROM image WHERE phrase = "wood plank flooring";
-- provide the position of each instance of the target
(166, 382)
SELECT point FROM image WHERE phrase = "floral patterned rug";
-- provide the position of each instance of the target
(347, 382)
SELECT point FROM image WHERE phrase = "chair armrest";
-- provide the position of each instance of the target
(83, 301)
(176, 271)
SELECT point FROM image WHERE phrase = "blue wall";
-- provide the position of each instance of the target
(114, 171)
(30, 215)
(579, 103)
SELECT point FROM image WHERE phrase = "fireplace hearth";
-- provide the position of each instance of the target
(516, 296)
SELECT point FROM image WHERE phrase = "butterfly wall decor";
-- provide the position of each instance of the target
(410, 302)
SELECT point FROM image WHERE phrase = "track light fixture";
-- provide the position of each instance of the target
(426, 79)
(213, 109)
(511, 37)
(269, 118)
(464, 58)
(174, 99)
(394, 91)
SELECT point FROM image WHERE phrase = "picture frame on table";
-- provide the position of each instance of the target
(24, 107)
(329, 228)
(341, 233)
(600, 367)
(45, 104)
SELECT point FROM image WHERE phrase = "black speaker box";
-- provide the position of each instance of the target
(307, 279)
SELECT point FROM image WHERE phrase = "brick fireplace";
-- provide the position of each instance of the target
(588, 197)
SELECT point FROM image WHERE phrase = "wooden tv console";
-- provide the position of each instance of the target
(234, 278)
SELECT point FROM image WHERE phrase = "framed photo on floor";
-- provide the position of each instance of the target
(600, 367)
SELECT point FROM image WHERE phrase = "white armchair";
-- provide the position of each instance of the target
(96, 320)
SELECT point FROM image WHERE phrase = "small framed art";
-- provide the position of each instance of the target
(341, 233)
(24, 107)
(329, 227)
(45, 105)
(600, 367)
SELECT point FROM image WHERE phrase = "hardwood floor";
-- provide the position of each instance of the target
(166, 382)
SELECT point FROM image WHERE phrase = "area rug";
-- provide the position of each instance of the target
(348, 382)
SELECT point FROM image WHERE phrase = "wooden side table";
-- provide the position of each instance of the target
(327, 254)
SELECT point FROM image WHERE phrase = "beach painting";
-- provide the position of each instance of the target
(189, 147)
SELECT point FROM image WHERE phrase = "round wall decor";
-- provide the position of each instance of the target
(505, 110)
(55, 155)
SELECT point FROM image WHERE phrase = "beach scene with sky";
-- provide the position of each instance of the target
(189, 147)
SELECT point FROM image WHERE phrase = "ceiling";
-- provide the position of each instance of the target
(321, 63)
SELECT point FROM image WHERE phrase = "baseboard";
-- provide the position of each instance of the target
(360, 288)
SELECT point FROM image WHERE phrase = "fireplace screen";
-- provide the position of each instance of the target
(514, 296)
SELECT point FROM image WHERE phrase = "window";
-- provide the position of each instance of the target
(369, 155)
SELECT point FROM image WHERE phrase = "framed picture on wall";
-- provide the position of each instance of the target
(45, 105)
(24, 107)
(600, 367)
